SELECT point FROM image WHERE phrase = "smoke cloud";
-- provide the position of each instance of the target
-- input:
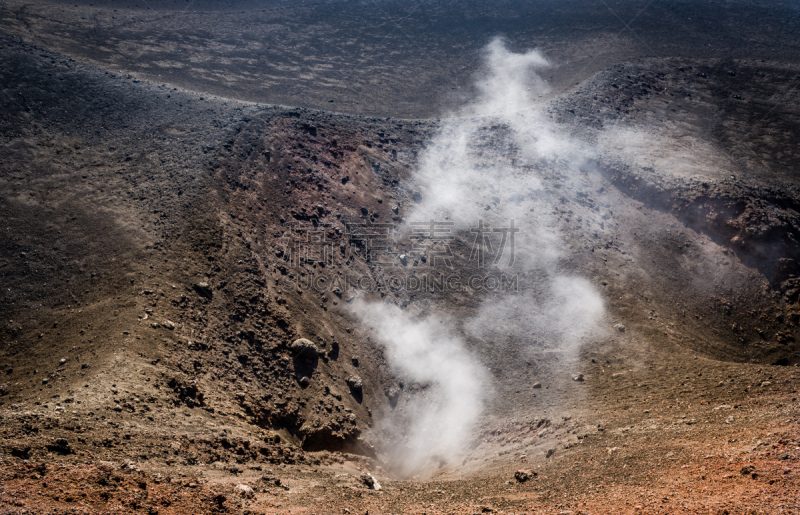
(439, 418)
(494, 161)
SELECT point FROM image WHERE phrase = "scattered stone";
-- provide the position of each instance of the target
(60, 446)
(525, 475)
(304, 381)
(393, 394)
(620, 328)
(303, 348)
(747, 469)
(63, 360)
(370, 481)
(364, 211)
(550, 452)
(21, 451)
(355, 383)
(537, 385)
(169, 325)
(578, 377)
(203, 289)
(729, 420)
(245, 491)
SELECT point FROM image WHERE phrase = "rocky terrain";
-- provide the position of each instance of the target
(167, 347)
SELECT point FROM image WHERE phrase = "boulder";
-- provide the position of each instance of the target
(245, 491)
(525, 475)
(203, 289)
(370, 481)
(355, 383)
(304, 348)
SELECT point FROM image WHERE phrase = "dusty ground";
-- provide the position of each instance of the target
(388, 58)
(143, 245)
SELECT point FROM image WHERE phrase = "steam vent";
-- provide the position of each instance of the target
(394, 257)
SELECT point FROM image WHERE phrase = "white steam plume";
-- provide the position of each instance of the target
(427, 352)
(560, 317)
(493, 163)
(497, 160)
